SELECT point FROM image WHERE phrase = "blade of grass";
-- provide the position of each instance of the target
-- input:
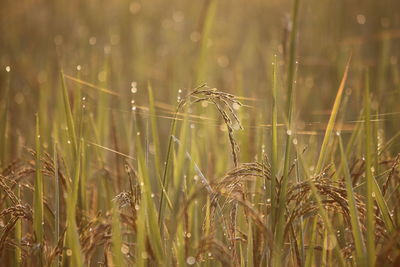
(18, 235)
(141, 250)
(57, 199)
(69, 117)
(327, 222)
(368, 176)
(74, 251)
(328, 132)
(164, 185)
(354, 217)
(116, 237)
(154, 131)
(250, 241)
(101, 89)
(156, 142)
(279, 231)
(332, 119)
(274, 142)
(208, 18)
(311, 244)
(383, 207)
(4, 102)
(152, 227)
(179, 164)
(301, 229)
(83, 181)
(38, 195)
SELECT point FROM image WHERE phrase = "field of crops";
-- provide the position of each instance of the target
(199, 133)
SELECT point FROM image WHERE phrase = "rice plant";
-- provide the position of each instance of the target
(204, 133)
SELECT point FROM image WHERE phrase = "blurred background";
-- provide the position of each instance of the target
(180, 44)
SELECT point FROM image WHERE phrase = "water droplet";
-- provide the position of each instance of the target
(133, 90)
(107, 49)
(8, 68)
(361, 19)
(373, 194)
(92, 40)
(69, 142)
(124, 249)
(69, 252)
(338, 133)
(179, 91)
(137, 207)
(209, 254)
(295, 141)
(289, 132)
(178, 16)
(83, 98)
(236, 106)
(132, 101)
(191, 260)
(78, 67)
(152, 195)
(145, 255)
(236, 126)
(138, 133)
(134, 108)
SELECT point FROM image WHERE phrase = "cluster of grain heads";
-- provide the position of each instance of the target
(326, 218)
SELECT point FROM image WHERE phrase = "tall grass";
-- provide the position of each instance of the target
(169, 139)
